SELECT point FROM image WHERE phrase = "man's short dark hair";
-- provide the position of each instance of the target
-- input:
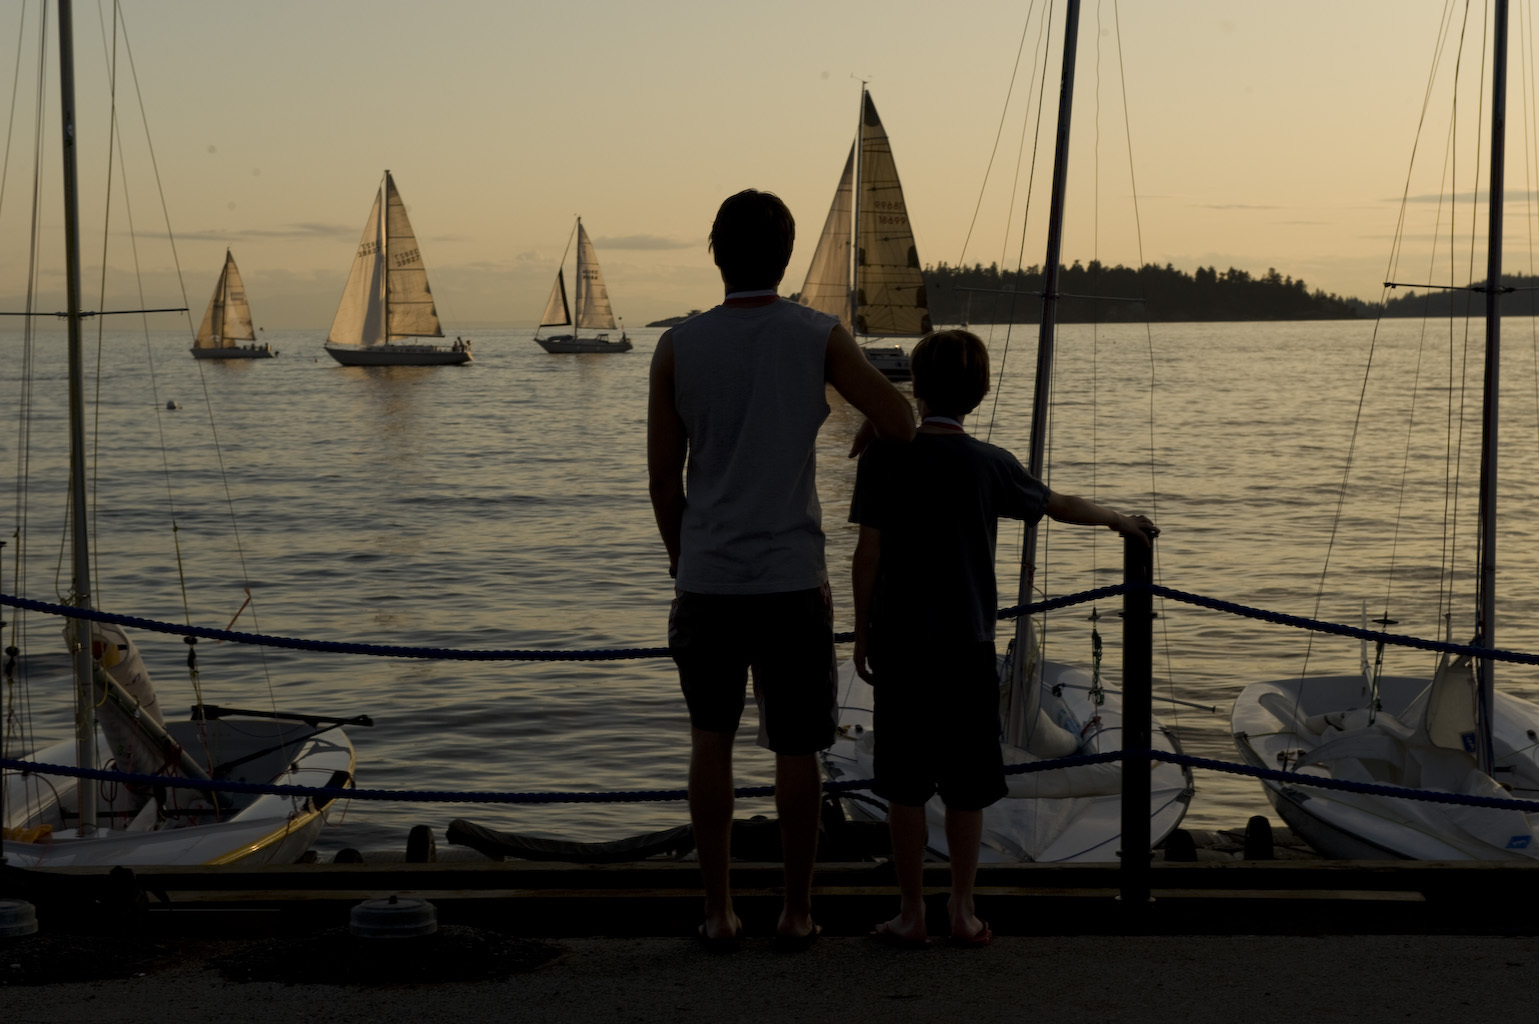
(751, 239)
(951, 372)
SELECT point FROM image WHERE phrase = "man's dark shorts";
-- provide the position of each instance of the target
(936, 722)
(788, 641)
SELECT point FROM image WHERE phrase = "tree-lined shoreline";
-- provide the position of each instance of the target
(1095, 293)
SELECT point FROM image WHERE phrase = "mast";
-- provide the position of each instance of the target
(384, 254)
(860, 163)
(1485, 629)
(224, 299)
(1039, 403)
(80, 585)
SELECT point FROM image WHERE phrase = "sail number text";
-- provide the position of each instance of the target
(400, 259)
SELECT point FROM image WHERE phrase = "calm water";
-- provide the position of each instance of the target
(504, 505)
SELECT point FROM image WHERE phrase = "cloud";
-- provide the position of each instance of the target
(291, 231)
(1237, 206)
(648, 242)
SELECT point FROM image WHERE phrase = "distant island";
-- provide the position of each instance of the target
(670, 321)
(1102, 294)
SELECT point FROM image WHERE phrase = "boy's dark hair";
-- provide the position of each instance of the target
(951, 372)
(751, 239)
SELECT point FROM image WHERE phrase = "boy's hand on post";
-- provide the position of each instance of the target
(1141, 527)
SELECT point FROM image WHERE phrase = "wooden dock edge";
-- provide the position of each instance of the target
(663, 898)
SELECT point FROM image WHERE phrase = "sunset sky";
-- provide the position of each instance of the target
(1263, 135)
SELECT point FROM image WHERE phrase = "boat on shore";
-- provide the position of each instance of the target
(387, 299)
(1452, 733)
(50, 820)
(592, 301)
(227, 322)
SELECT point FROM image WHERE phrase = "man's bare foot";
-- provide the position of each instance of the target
(795, 926)
(721, 928)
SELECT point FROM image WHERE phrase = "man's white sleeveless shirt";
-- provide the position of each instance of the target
(749, 386)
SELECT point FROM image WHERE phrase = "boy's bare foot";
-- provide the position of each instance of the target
(901, 933)
(980, 936)
(966, 925)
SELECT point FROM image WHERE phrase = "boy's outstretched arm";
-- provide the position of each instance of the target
(1069, 508)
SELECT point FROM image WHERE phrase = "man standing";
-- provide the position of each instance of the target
(736, 399)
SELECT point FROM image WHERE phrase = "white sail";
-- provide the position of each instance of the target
(592, 297)
(228, 318)
(360, 318)
(556, 312)
(827, 288)
(889, 287)
(387, 295)
(410, 299)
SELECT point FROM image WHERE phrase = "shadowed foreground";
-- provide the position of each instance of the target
(1063, 979)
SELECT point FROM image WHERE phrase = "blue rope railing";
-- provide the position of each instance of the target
(625, 653)
(637, 796)
(449, 796)
(1336, 629)
(329, 793)
(445, 653)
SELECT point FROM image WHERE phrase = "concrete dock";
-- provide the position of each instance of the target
(1063, 979)
(1277, 941)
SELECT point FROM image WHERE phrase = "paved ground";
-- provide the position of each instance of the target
(1097, 980)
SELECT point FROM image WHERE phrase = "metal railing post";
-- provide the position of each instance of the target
(1137, 715)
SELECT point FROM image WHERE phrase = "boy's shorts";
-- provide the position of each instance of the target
(788, 641)
(936, 723)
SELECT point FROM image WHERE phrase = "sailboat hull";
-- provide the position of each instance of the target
(890, 359)
(235, 352)
(41, 815)
(1277, 722)
(1056, 816)
(396, 355)
(567, 343)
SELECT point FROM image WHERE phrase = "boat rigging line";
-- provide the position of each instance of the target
(86, 314)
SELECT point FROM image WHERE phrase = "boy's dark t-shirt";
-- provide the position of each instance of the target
(937, 501)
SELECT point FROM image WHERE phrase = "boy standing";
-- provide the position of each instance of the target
(925, 606)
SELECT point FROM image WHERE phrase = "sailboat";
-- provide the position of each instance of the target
(1453, 733)
(227, 322)
(1048, 709)
(51, 821)
(593, 309)
(874, 286)
(387, 299)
